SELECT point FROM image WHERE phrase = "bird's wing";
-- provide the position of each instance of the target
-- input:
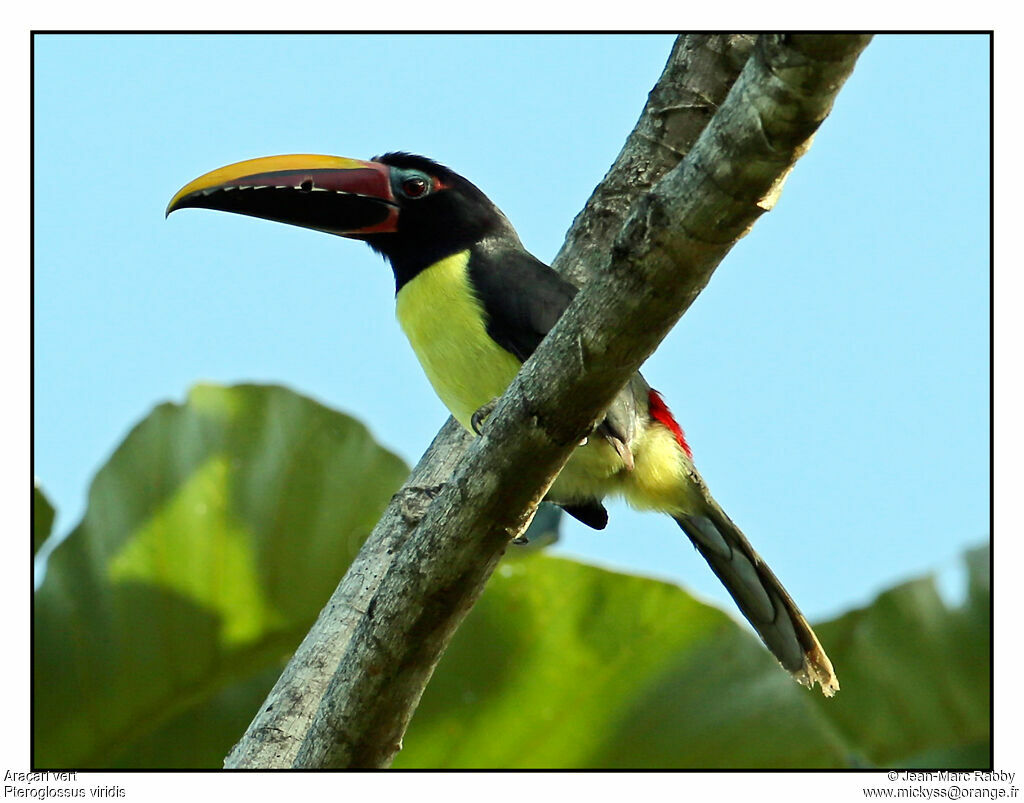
(522, 299)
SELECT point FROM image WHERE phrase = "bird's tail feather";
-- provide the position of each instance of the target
(760, 596)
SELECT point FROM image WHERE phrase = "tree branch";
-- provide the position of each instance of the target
(700, 71)
(365, 663)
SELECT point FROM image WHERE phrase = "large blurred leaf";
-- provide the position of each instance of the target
(218, 529)
(42, 518)
(564, 665)
(212, 538)
(916, 674)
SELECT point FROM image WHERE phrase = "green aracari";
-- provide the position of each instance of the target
(474, 304)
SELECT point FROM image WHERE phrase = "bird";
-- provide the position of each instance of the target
(474, 305)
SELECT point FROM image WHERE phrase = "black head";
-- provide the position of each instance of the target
(440, 213)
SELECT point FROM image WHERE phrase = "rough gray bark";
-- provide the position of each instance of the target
(700, 71)
(348, 693)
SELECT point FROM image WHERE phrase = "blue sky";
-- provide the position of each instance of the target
(832, 379)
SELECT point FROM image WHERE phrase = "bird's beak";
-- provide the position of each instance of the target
(327, 193)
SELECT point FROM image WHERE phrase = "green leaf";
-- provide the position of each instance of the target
(562, 665)
(212, 538)
(42, 518)
(218, 529)
(916, 673)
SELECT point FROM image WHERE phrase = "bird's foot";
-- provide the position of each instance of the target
(477, 419)
(522, 539)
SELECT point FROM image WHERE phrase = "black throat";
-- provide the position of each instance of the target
(409, 260)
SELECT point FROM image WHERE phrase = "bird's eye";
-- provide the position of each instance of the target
(415, 187)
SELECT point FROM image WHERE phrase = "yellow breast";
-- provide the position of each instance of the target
(444, 321)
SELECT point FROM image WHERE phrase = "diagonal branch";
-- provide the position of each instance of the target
(386, 626)
(699, 73)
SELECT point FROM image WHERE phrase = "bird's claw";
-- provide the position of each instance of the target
(477, 419)
(522, 539)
